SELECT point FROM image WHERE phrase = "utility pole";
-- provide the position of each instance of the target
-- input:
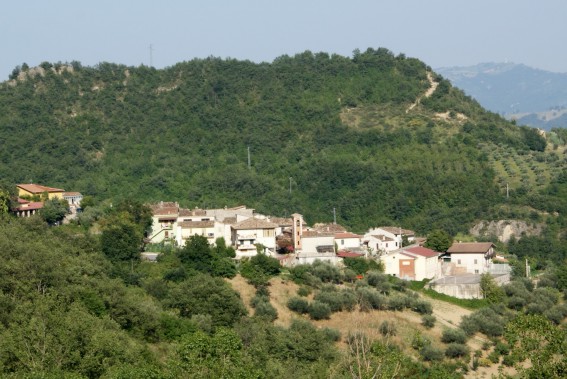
(507, 191)
(334, 216)
(248, 157)
(290, 185)
(151, 55)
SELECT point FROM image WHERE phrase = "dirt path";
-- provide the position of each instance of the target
(432, 87)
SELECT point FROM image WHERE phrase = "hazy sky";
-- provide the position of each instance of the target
(439, 32)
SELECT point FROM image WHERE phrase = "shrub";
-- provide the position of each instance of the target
(456, 350)
(326, 272)
(369, 299)
(422, 307)
(318, 310)
(428, 321)
(265, 310)
(399, 302)
(332, 335)
(430, 353)
(387, 328)
(484, 362)
(304, 291)
(501, 348)
(494, 357)
(554, 315)
(297, 304)
(419, 341)
(516, 302)
(257, 299)
(454, 336)
(509, 360)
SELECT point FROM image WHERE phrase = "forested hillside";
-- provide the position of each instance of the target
(323, 132)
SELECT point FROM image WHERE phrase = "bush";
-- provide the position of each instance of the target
(509, 360)
(338, 300)
(454, 336)
(266, 310)
(369, 299)
(399, 302)
(422, 307)
(318, 310)
(456, 350)
(326, 272)
(387, 328)
(332, 335)
(428, 321)
(501, 348)
(430, 353)
(304, 291)
(419, 341)
(299, 305)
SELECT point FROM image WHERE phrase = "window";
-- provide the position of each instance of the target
(476, 261)
(342, 242)
(476, 271)
(268, 233)
(458, 261)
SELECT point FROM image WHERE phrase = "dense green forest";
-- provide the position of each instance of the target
(338, 131)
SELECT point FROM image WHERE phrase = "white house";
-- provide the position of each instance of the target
(468, 257)
(246, 234)
(412, 263)
(346, 241)
(386, 238)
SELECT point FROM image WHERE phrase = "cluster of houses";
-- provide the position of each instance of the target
(31, 198)
(292, 242)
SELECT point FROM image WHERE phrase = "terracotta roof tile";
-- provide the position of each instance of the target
(38, 189)
(422, 251)
(470, 247)
(254, 223)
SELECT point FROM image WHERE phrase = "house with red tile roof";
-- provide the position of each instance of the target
(386, 238)
(348, 241)
(412, 263)
(27, 208)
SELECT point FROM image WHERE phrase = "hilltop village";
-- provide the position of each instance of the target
(455, 272)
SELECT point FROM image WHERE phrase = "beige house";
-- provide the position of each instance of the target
(25, 190)
(164, 222)
(250, 232)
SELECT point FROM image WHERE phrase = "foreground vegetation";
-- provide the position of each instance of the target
(70, 308)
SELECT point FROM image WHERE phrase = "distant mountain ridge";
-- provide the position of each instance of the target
(531, 96)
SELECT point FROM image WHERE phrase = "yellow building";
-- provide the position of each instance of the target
(38, 190)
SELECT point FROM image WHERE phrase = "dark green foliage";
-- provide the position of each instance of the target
(304, 291)
(203, 294)
(121, 241)
(369, 299)
(259, 269)
(266, 310)
(361, 265)
(453, 335)
(486, 321)
(298, 304)
(490, 290)
(54, 211)
(430, 353)
(428, 321)
(422, 307)
(318, 310)
(341, 300)
(439, 240)
(199, 255)
(456, 350)
(118, 127)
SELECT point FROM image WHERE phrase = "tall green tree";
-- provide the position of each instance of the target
(439, 240)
